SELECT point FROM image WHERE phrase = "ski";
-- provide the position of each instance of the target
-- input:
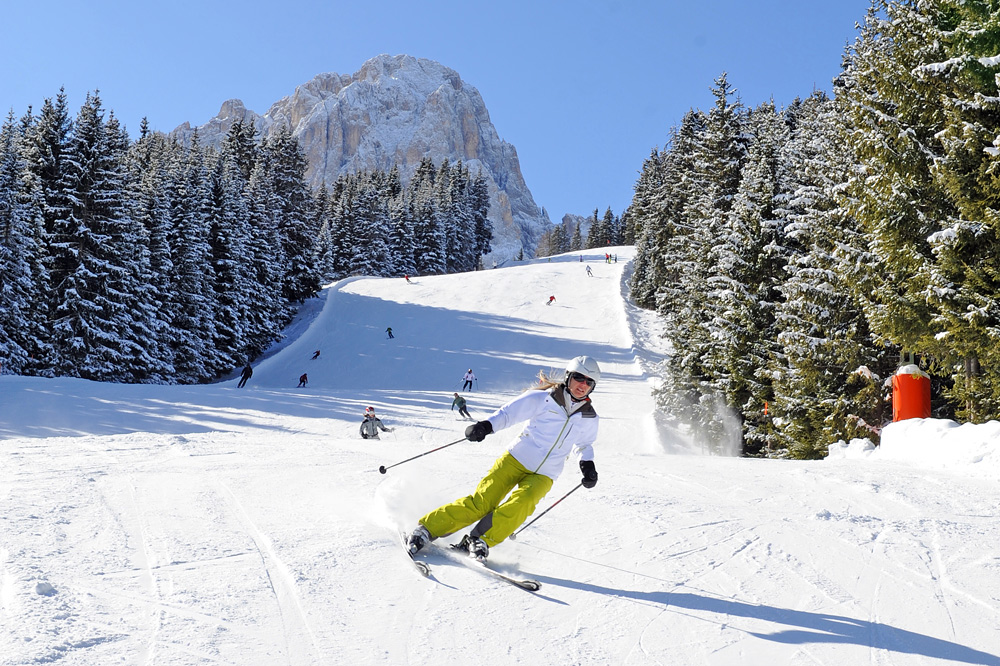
(422, 567)
(458, 554)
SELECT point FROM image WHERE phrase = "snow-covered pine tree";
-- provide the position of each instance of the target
(479, 201)
(596, 234)
(340, 226)
(826, 374)
(150, 208)
(28, 216)
(20, 227)
(401, 231)
(662, 192)
(628, 228)
(688, 392)
(269, 309)
(193, 305)
(894, 115)
(428, 236)
(138, 313)
(554, 241)
(965, 283)
(463, 198)
(747, 264)
(229, 238)
(93, 319)
(372, 228)
(46, 141)
(576, 239)
(645, 216)
(611, 226)
(288, 163)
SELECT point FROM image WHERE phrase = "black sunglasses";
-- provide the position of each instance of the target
(577, 377)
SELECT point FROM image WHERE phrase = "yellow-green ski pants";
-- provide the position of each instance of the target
(496, 521)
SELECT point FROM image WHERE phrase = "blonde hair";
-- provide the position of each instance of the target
(545, 382)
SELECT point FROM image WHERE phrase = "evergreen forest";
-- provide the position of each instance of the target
(148, 261)
(800, 255)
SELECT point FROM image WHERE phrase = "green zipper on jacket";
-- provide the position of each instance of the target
(555, 443)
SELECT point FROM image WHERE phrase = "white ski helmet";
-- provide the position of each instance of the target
(585, 365)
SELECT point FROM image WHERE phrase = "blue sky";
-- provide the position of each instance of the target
(584, 90)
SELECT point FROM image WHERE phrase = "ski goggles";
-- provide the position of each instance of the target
(577, 377)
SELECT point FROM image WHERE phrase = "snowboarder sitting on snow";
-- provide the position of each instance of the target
(371, 425)
(560, 419)
(460, 402)
(303, 380)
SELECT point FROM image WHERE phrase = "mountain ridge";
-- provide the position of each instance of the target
(396, 110)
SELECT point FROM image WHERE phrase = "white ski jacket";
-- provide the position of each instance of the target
(553, 431)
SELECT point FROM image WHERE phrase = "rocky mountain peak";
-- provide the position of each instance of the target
(398, 110)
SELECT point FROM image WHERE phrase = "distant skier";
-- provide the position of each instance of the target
(371, 425)
(590, 273)
(389, 331)
(469, 378)
(303, 380)
(315, 355)
(407, 279)
(560, 420)
(552, 299)
(459, 401)
(247, 374)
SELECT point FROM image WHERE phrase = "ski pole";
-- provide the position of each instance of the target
(577, 487)
(383, 469)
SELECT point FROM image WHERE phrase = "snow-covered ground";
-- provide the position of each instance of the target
(215, 525)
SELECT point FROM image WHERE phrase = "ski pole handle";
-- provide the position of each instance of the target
(577, 487)
(383, 469)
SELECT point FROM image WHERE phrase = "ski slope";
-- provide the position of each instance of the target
(250, 527)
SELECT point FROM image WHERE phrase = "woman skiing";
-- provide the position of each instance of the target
(560, 420)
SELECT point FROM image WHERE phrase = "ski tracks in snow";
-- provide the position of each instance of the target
(301, 644)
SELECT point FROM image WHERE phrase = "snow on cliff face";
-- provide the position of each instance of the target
(397, 110)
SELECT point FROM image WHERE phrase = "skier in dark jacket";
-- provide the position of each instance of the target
(459, 402)
(247, 374)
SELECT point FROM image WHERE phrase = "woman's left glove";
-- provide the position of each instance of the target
(589, 473)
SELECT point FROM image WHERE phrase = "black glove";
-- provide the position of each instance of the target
(477, 431)
(589, 479)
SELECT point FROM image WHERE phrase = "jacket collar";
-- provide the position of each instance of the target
(586, 408)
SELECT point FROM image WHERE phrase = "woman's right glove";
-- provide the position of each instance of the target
(589, 479)
(477, 431)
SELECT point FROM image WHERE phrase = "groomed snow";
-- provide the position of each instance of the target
(215, 525)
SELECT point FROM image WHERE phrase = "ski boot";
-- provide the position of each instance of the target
(418, 539)
(476, 547)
